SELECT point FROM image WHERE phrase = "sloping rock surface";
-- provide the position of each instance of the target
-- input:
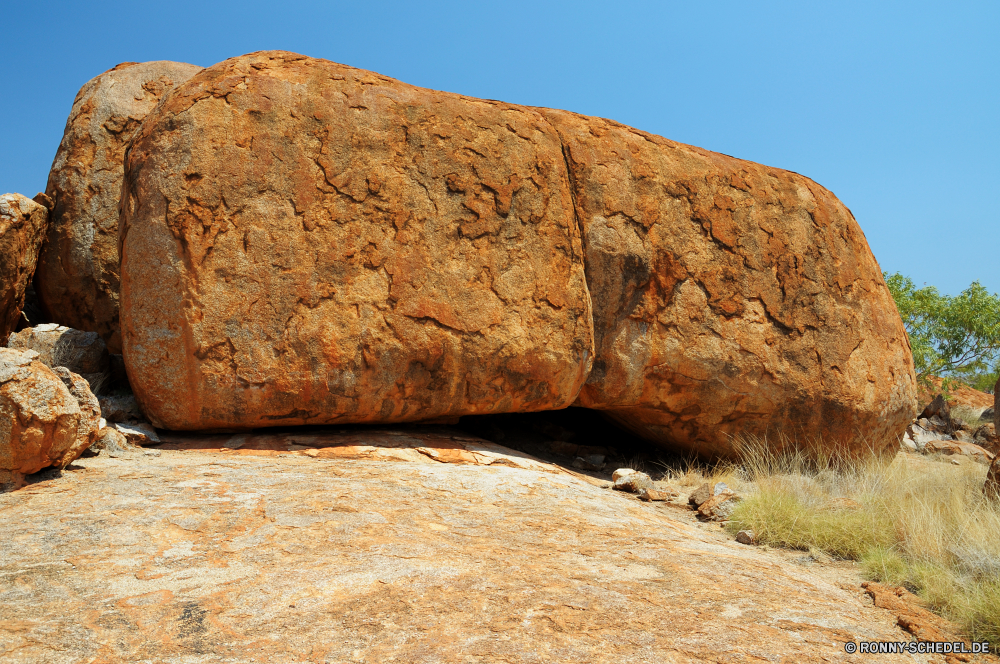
(197, 556)
(22, 230)
(78, 275)
(307, 243)
(731, 299)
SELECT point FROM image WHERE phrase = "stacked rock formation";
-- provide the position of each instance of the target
(78, 277)
(22, 230)
(307, 243)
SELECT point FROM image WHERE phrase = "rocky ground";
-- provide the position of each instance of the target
(395, 545)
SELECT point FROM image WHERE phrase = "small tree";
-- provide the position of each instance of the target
(956, 337)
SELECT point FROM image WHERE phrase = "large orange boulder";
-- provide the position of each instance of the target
(78, 276)
(303, 242)
(306, 243)
(22, 230)
(732, 302)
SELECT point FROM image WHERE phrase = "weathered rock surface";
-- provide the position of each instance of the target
(89, 427)
(304, 242)
(40, 421)
(78, 275)
(731, 299)
(22, 229)
(203, 557)
(81, 352)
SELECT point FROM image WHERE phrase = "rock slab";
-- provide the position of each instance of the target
(304, 243)
(23, 223)
(203, 558)
(78, 272)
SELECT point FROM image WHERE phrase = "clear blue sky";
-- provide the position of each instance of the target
(894, 106)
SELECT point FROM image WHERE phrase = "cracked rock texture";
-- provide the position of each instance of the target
(201, 557)
(78, 275)
(731, 299)
(305, 243)
(22, 231)
(41, 423)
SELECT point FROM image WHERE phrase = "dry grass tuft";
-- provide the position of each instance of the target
(909, 520)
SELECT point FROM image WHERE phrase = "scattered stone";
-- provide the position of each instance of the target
(138, 434)
(719, 507)
(950, 447)
(987, 414)
(620, 473)
(657, 494)
(120, 408)
(78, 273)
(700, 495)
(720, 487)
(81, 352)
(113, 443)
(956, 462)
(908, 444)
(635, 482)
(746, 537)
(591, 462)
(40, 420)
(23, 223)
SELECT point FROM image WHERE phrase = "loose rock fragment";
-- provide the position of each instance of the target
(719, 507)
(634, 482)
(120, 408)
(620, 473)
(138, 434)
(700, 496)
(746, 537)
(113, 443)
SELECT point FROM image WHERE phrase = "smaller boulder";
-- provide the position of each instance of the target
(40, 420)
(700, 495)
(719, 507)
(81, 352)
(987, 414)
(139, 434)
(634, 482)
(746, 537)
(955, 447)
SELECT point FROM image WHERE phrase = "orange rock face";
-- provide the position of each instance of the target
(78, 275)
(303, 242)
(730, 299)
(22, 230)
